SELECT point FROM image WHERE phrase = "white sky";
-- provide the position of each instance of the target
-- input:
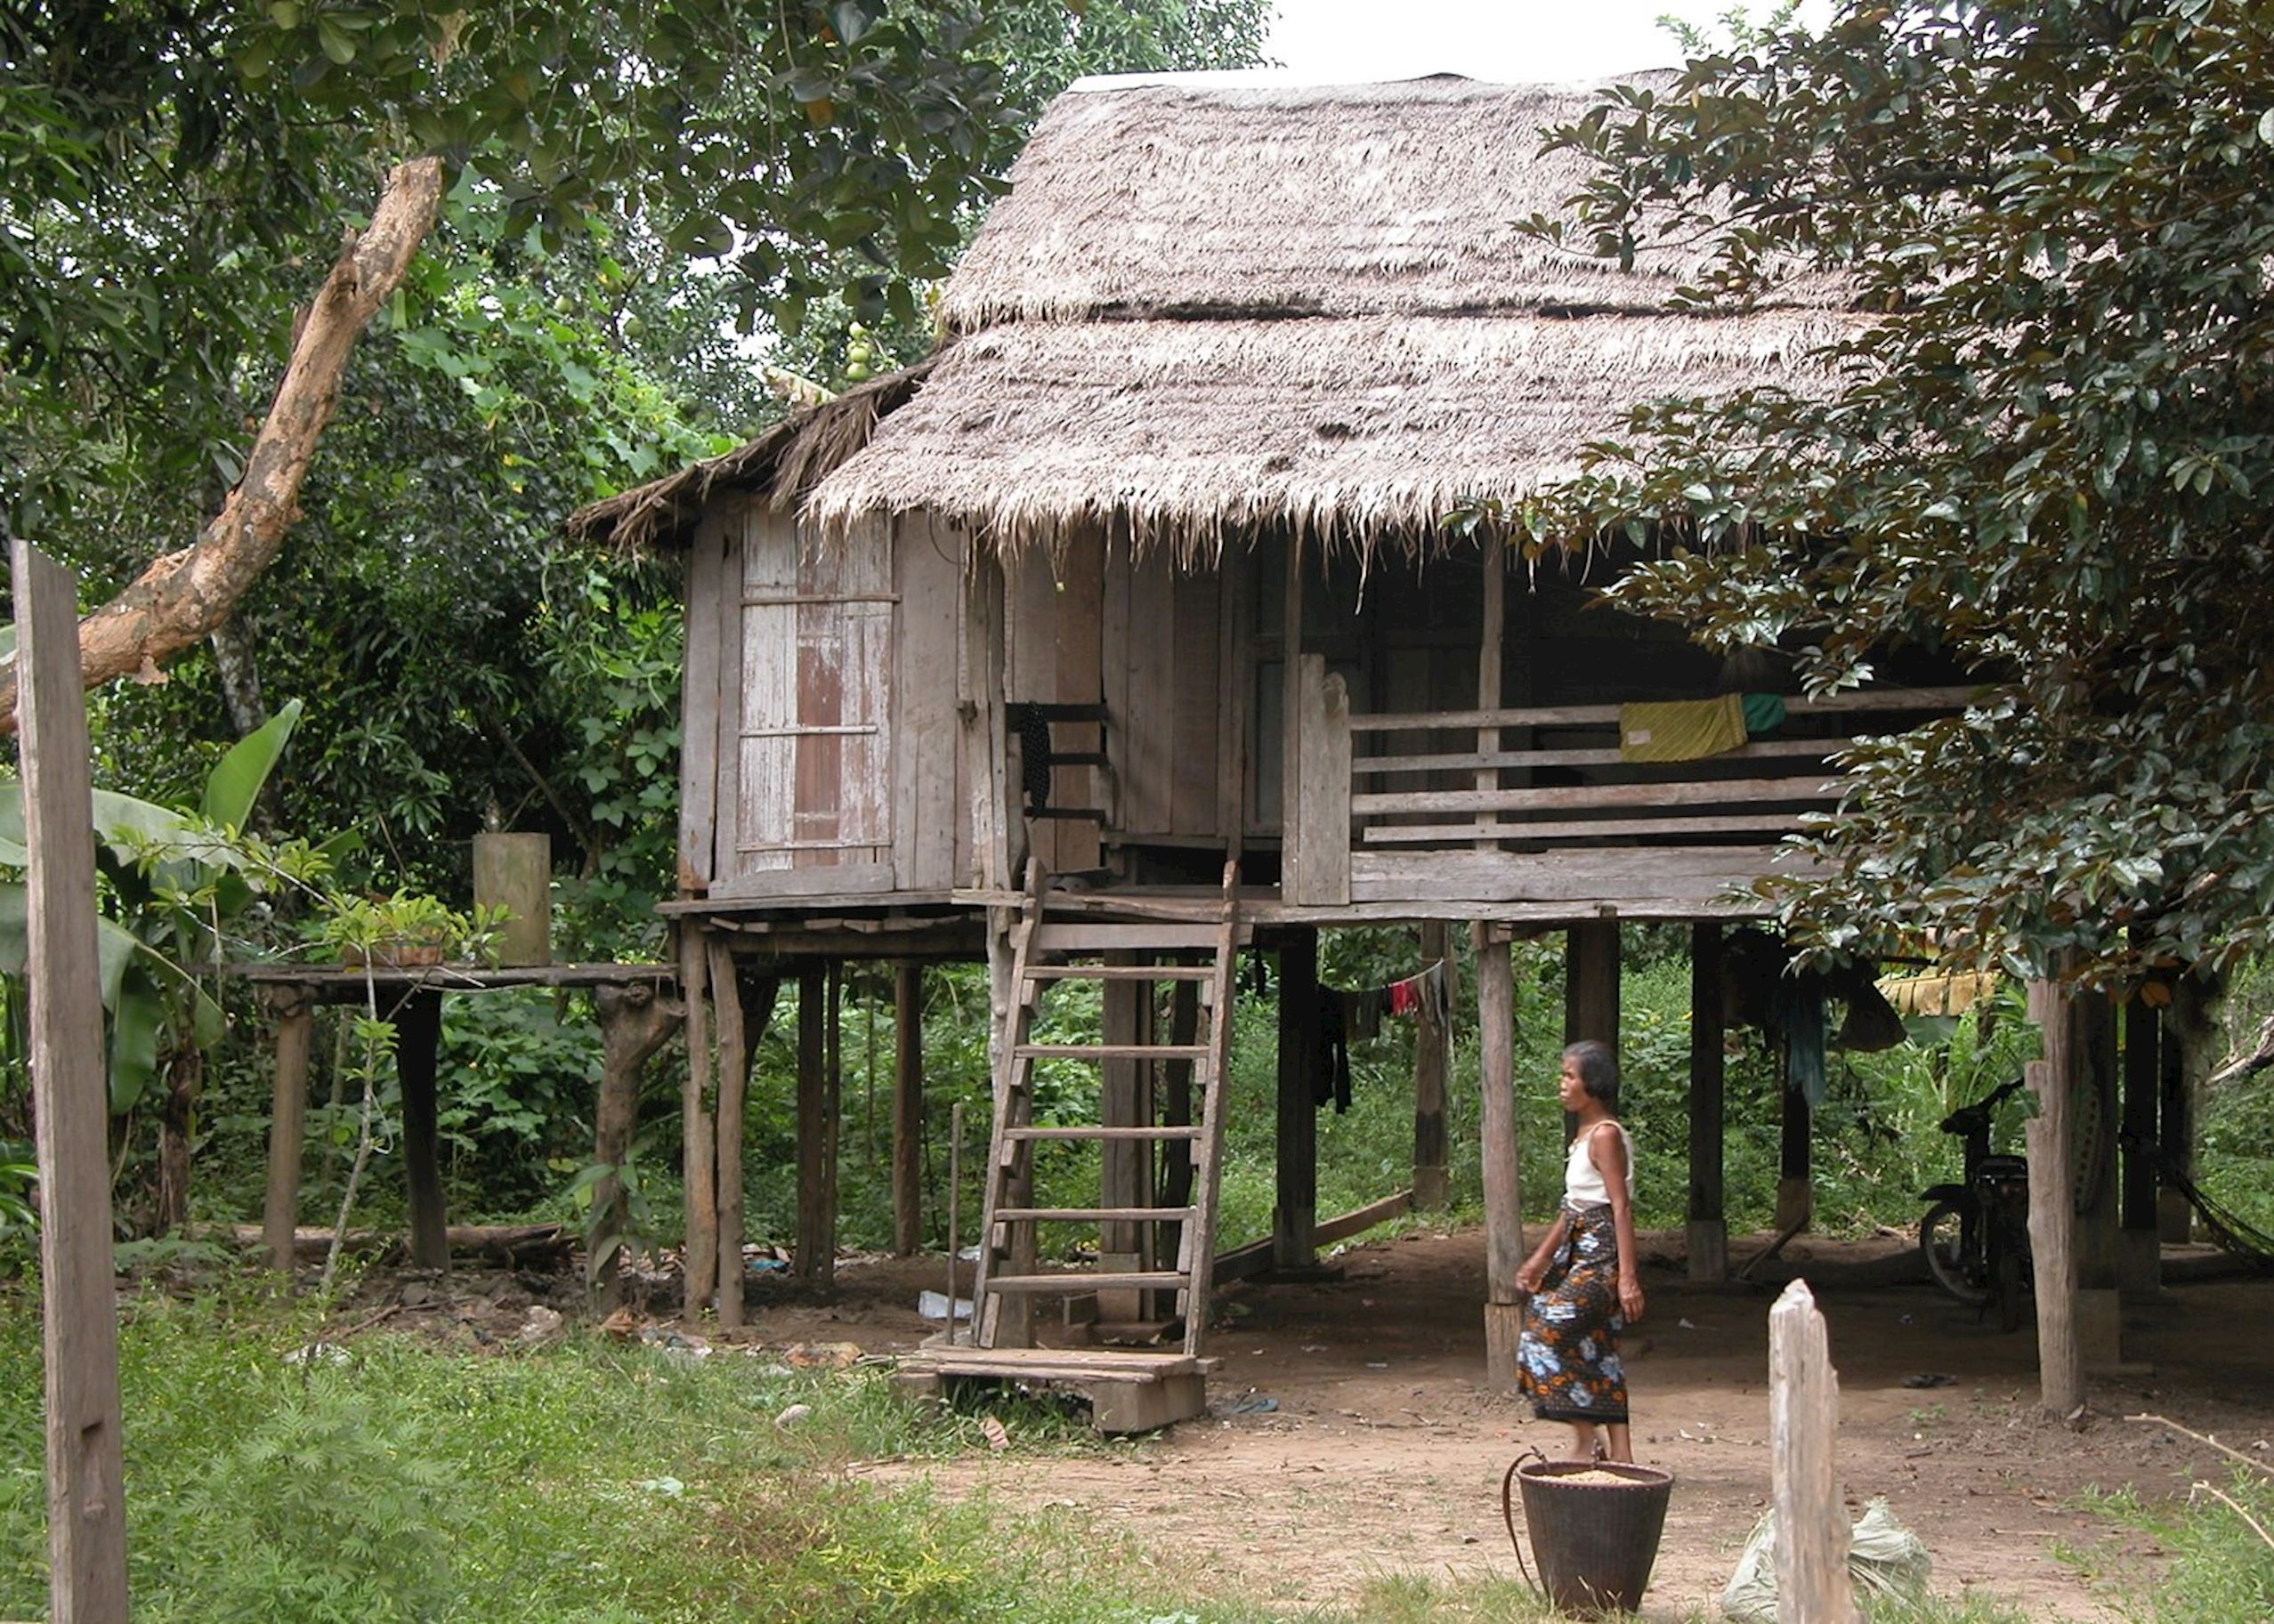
(1330, 42)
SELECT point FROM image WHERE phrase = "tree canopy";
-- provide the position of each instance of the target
(2045, 453)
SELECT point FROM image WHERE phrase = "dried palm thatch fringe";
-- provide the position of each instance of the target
(1147, 198)
(787, 461)
(1353, 431)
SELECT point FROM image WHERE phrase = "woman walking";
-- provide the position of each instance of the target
(1582, 1282)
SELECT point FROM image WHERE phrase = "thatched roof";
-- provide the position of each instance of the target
(1208, 305)
(1200, 198)
(786, 462)
(1346, 428)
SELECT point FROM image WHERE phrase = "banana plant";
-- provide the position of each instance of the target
(173, 881)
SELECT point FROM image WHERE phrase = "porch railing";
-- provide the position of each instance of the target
(1546, 809)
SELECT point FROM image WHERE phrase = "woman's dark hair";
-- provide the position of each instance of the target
(1598, 1070)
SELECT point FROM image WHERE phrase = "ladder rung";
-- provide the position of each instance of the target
(1149, 1279)
(1086, 1215)
(1111, 1051)
(1155, 1132)
(1121, 973)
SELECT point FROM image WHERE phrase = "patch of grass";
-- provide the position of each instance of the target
(2221, 1570)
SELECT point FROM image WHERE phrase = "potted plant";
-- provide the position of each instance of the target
(404, 930)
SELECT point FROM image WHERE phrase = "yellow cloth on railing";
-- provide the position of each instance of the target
(1681, 729)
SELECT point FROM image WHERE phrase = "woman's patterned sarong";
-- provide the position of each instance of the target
(1568, 1358)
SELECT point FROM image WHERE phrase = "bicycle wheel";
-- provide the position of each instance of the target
(1940, 1234)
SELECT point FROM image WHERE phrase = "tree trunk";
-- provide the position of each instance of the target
(184, 595)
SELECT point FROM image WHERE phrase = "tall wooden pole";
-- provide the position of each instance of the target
(1502, 1154)
(1708, 1229)
(907, 1110)
(2053, 1210)
(734, 1084)
(87, 1490)
(699, 1152)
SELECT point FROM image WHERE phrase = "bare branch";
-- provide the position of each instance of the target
(2234, 1454)
(183, 595)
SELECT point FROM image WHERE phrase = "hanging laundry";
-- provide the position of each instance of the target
(1361, 1013)
(1764, 713)
(1681, 729)
(1331, 1079)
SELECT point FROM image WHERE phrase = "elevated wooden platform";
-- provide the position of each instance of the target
(1129, 1390)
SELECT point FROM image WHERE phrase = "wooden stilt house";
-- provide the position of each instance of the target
(1124, 632)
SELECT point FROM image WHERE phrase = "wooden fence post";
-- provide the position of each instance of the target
(86, 1491)
(1812, 1534)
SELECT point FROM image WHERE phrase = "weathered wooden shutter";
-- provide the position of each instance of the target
(814, 763)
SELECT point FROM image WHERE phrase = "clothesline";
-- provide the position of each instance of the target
(1349, 1016)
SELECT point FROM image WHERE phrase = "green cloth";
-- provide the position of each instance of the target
(1681, 729)
(1764, 713)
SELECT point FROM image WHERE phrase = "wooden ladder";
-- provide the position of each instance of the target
(1047, 951)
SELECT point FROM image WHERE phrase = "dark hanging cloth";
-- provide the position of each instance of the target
(1764, 713)
(1331, 1080)
(1033, 730)
(1361, 1013)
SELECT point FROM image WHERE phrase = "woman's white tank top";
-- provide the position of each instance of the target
(1583, 1183)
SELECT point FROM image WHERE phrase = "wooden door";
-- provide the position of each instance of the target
(812, 787)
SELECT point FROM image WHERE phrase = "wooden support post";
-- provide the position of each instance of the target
(1502, 1154)
(1432, 1056)
(1125, 1173)
(1318, 820)
(907, 1110)
(87, 1490)
(1708, 1229)
(295, 1016)
(2174, 1130)
(418, 1035)
(1591, 989)
(1007, 1319)
(634, 1024)
(733, 1083)
(2052, 1211)
(1812, 1533)
(1296, 1213)
(1291, 717)
(699, 1149)
(814, 1258)
(2140, 1260)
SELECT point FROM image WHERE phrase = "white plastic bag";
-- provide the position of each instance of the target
(1884, 1558)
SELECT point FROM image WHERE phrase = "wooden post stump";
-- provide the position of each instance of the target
(1812, 1532)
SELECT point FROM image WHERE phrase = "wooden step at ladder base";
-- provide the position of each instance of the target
(1138, 1158)
(1130, 1390)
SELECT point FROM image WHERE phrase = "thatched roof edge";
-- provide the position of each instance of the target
(784, 464)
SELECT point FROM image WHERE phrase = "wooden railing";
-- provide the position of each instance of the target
(1549, 810)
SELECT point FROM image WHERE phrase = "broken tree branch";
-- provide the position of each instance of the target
(183, 595)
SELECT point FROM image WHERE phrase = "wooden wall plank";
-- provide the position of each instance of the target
(927, 573)
(1149, 720)
(707, 565)
(762, 695)
(1658, 874)
(1031, 668)
(1199, 715)
(1079, 609)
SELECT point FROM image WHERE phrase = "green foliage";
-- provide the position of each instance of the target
(2045, 457)
(2220, 1569)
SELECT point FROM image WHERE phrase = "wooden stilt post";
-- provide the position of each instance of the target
(699, 1148)
(1009, 1319)
(295, 1016)
(1796, 1182)
(1591, 989)
(1177, 1111)
(815, 1257)
(733, 1081)
(2052, 1212)
(2174, 1127)
(1296, 1214)
(418, 1034)
(1708, 1229)
(1812, 1535)
(908, 1109)
(1125, 1176)
(634, 1024)
(86, 1491)
(1502, 1154)
(2139, 1269)
(1432, 1052)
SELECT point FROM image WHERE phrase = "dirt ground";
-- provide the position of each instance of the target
(1382, 1450)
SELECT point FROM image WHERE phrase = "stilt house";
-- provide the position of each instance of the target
(1124, 631)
